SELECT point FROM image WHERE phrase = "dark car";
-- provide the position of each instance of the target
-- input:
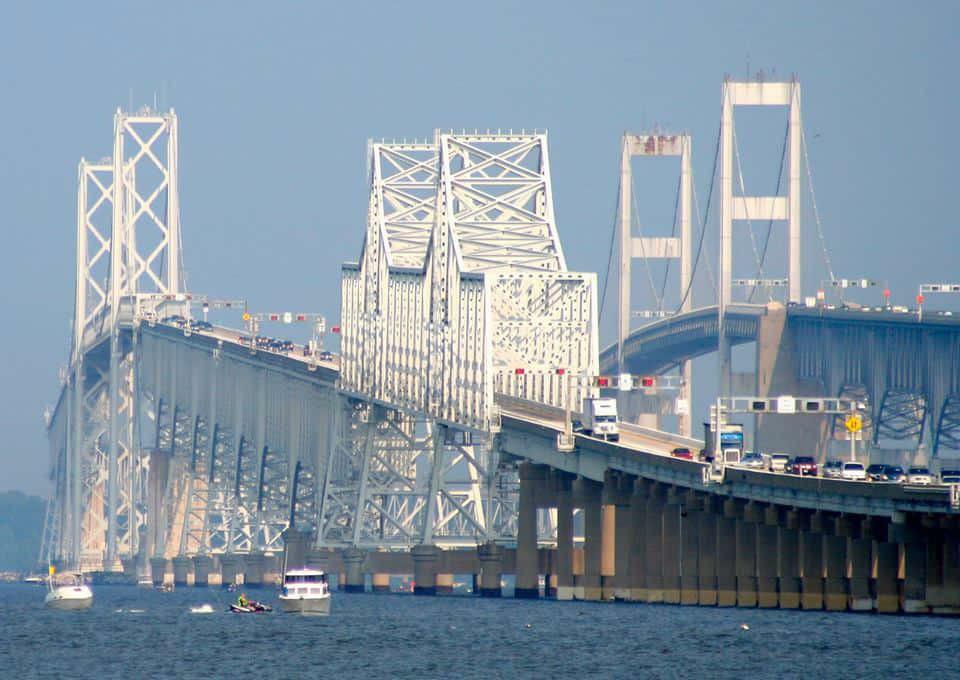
(875, 472)
(803, 465)
(950, 476)
(894, 473)
(682, 452)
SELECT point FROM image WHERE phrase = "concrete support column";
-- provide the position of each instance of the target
(231, 569)
(707, 557)
(858, 556)
(936, 595)
(768, 559)
(690, 513)
(951, 566)
(129, 568)
(788, 539)
(622, 545)
(158, 570)
(527, 581)
(747, 556)
(444, 584)
(381, 582)
(255, 564)
(811, 546)
(835, 584)
(608, 550)
(491, 561)
(887, 556)
(593, 544)
(202, 569)
(564, 563)
(671, 546)
(654, 543)
(182, 568)
(353, 570)
(425, 569)
(915, 578)
(638, 541)
(272, 570)
(727, 557)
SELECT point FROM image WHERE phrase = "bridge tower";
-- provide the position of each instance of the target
(128, 260)
(746, 208)
(655, 248)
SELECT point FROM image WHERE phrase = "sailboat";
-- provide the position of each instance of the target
(68, 591)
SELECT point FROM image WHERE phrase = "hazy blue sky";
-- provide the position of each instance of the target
(276, 101)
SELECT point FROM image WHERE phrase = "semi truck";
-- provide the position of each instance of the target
(600, 418)
(730, 444)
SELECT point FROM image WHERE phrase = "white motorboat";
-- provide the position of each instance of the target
(68, 591)
(305, 591)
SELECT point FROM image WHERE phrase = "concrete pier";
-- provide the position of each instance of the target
(727, 555)
(587, 495)
(653, 529)
(811, 551)
(354, 581)
(203, 567)
(425, 569)
(887, 557)
(746, 529)
(491, 559)
(183, 571)
(690, 517)
(231, 569)
(788, 543)
(129, 565)
(159, 570)
(527, 577)
(707, 549)
(564, 558)
(768, 554)
(671, 546)
(638, 542)
(254, 565)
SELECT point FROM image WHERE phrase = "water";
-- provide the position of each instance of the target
(402, 636)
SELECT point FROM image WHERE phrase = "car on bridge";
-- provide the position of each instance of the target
(875, 472)
(833, 469)
(779, 462)
(682, 452)
(804, 466)
(950, 476)
(894, 473)
(853, 471)
(919, 475)
(753, 460)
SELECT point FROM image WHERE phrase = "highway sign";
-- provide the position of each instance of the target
(854, 423)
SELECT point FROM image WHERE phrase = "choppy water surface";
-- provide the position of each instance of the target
(401, 636)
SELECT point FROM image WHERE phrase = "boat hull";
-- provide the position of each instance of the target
(53, 601)
(305, 605)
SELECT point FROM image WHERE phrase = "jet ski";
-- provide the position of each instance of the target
(251, 607)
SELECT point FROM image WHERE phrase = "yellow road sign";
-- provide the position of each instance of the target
(854, 423)
(246, 316)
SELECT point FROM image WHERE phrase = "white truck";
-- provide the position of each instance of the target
(600, 418)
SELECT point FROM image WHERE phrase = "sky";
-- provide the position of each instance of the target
(276, 102)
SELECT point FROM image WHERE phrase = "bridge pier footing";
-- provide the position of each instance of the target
(425, 569)
(638, 542)
(811, 542)
(491, 561)
(690, 514)
(158, 571)
(380, 582)
(589, 493)
(707, 549)
(526, 570)
(788, 539)
(653, 529)
(202, 568)
(353, 570)
(183, 571)
(671, 547)
(887, 556)
(231, 569)
(726, 558)
(564, 561)
(768, 554)
(747, 556)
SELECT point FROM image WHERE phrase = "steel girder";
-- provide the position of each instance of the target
(396, 479)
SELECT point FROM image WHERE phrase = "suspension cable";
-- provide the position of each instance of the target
(766, 240)
(613, 238)
(706, 260)
(743, 193)
(703, 225)
(643, 252)
(673, 232)
(816, 212)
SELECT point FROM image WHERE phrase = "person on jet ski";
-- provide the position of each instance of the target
(242, 600)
